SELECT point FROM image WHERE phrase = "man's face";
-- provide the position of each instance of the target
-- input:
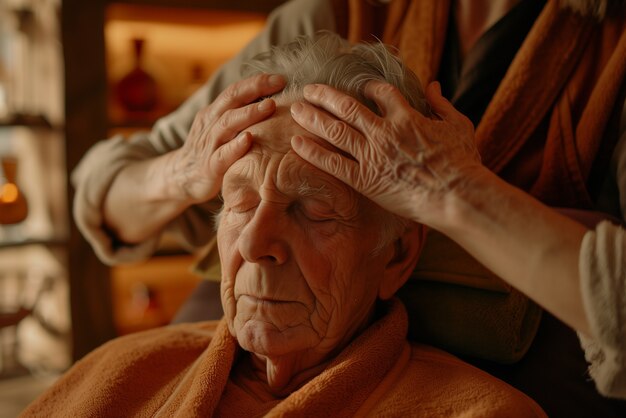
(299, 272)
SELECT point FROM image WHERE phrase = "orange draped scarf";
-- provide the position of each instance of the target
(552, 124)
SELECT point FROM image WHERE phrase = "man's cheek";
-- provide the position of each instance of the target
(227, 239)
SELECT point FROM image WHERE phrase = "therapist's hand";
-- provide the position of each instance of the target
(217, 137)
(404, 161)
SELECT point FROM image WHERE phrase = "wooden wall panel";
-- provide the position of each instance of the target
(85, 123)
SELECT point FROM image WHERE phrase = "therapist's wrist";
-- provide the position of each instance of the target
(165, 182)
(466, 200)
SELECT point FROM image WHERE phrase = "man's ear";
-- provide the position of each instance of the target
(407, 249)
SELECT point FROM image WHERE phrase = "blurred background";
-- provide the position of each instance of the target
(73, 72)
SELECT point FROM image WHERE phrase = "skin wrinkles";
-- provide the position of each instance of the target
(298, 279)
(279, 202)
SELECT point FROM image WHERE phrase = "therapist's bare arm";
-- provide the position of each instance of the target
(428, 170)
(145, 196)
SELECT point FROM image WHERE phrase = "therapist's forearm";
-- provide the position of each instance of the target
(529, 245)
(142, 200)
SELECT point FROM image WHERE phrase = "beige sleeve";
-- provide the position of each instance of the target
(96, 171)
(603, 285)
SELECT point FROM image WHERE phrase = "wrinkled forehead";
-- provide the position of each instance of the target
(272, 141)
(273, 135)
(271, 152)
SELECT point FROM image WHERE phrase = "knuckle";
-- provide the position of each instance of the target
(219, 158)
(335, 130)
(203, 113)
(262, 79)
(385, 89)
(200, 117)
(334, 163)
(465, 123)
(250, 111)
(347, 108)
(231, 92)
(404, 124)
(225, 121)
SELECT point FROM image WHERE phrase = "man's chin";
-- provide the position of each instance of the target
(266, 339)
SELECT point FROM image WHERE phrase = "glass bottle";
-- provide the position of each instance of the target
(137, 90)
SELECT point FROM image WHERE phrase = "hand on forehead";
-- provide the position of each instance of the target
(273, 135)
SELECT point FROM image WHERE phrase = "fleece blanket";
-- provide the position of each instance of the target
(187, 370)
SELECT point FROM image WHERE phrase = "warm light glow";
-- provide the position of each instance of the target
(176, 42)
(9, 193)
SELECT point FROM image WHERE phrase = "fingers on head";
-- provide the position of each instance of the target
(307, 116)
(349, 109)
(338, 103)
(249, 90)
(324, 158)
(444, 109)
(387, 97)
(342, 106)
(324, 125)
(230, 152)
(235, 120)
(338, 133)
(439, 104)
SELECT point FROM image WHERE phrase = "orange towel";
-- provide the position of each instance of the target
(183, 370)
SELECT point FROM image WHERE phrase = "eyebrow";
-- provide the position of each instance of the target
(236, 181)
(306, 190)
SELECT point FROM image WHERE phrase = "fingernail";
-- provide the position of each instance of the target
(308, 89)
(296, 108)
(276, 80)
(265, 105)
(438, 87)
(296, 141)
(243, 137)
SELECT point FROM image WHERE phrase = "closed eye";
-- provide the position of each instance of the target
(242, 200)
(316, 211)
(244, 208)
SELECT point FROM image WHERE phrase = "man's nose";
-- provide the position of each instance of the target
(264, 239)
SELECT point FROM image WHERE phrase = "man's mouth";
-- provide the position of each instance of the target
(264, 300)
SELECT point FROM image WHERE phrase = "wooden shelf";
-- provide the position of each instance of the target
(51, 242)
(181, 49)
(239, 5)
(87, 120)
(148, 294)
(30, 121)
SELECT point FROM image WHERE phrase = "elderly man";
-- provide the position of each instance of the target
(309, 270)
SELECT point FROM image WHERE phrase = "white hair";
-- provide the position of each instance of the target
(329, 59)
